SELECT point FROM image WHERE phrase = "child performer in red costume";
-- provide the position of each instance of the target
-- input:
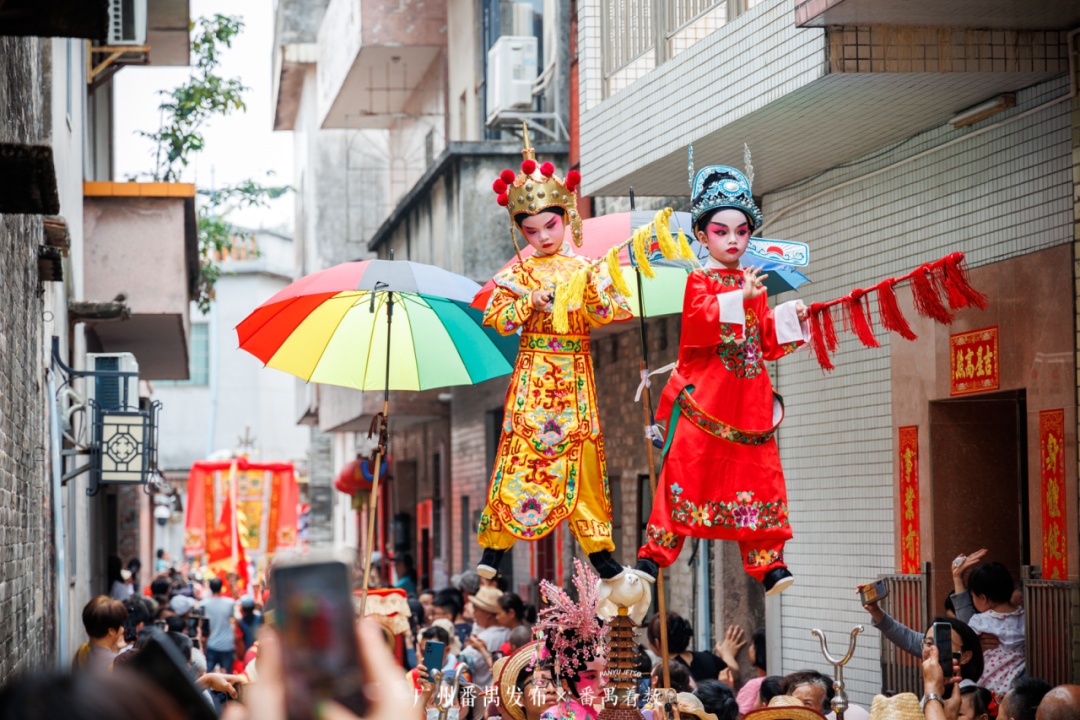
(721, 477)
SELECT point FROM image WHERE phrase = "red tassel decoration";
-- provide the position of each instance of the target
(892, 318)
(817, 338)
(856, 318)
(927, 300)
(957, 287)
(829, 329)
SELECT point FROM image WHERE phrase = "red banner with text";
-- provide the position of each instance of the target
(1052, 475)
(973, 362)
(909, 500)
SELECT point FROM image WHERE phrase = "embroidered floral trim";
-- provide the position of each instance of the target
(719, 428)
(743, 512)
(555, 343)
(742, 358)
(727, 278)
(763, 558)
(659, 536)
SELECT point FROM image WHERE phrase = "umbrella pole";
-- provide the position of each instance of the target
(380, 452)
(646, 406)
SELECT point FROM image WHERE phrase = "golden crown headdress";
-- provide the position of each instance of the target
(536, 189)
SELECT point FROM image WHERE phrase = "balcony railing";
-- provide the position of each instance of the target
(691, 20)
(1051, 612)
(629, 41)
(630, 31)
(906, 603)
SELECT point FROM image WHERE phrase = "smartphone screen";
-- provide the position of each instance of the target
(316, 621)
(644, 690)
(943, 641)
(162, 664)
(874, 592)
(433, 655)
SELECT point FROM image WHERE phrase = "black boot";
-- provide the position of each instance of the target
(777, 580)
(648, 566)
(606, 566)
(488, 567)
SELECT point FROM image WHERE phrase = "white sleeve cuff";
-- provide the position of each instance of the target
(788, 327)
(731, 308)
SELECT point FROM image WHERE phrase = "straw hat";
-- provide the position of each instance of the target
(505, 673)
(904, 706)
(784, 711)
(689, 704)
(487, 599)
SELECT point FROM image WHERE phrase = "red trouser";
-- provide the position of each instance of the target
(758, 556)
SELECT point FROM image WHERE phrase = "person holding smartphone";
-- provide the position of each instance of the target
(965, 641)
(439, 638)
(939, 702)
(388, 696)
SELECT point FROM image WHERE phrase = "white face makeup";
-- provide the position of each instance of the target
(544, 231)
(726, 236)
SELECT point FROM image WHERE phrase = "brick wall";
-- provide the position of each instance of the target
(27, 617)
(998, 195)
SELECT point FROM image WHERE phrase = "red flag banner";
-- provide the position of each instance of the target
(263, 506)
(909, 500)
(1052, 475)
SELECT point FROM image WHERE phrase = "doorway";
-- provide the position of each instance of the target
(979, 484)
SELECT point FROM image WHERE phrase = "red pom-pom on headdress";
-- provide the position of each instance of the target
(547, 169)
(528, 166)
(498, 186)
(573, 179)
(507, 176)
(503, 199)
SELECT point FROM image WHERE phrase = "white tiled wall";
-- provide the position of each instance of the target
(998, 195)
(757, 58)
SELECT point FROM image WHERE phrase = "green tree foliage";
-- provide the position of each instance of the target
(184, 112)
(187, 108)
(216, 233)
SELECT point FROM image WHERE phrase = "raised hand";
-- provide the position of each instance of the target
(753, 283)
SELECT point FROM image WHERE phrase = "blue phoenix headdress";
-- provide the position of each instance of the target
(720, 187)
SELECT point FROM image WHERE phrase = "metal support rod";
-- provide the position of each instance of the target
(646, 404)
(374, 503)
(839, 702)
(59, 541)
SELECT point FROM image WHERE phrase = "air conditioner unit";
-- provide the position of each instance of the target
(511, 74)
(127, 22)
(108, 392)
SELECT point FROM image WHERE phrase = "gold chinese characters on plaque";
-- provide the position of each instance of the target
(973, 362)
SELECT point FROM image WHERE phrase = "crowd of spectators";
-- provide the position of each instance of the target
(488, 669)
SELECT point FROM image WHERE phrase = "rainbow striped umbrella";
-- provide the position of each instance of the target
(378, 325)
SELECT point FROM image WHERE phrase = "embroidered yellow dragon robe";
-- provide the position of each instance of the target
(550, 463)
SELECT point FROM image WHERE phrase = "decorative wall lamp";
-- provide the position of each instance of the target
(123, 438)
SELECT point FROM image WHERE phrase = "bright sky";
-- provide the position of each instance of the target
(240, 146)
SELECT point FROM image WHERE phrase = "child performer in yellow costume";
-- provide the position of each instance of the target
(550, 463)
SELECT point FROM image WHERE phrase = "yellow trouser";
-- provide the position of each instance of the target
(590, 520)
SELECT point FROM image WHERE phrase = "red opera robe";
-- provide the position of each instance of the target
(721, 477)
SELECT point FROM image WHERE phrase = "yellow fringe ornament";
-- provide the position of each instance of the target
(615, 271)
(641, 241)
(685, 251)
(669, 248)
(570, 295)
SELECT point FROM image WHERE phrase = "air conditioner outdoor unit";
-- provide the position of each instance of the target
(108, 392)
(127, 22)
(511, 74)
